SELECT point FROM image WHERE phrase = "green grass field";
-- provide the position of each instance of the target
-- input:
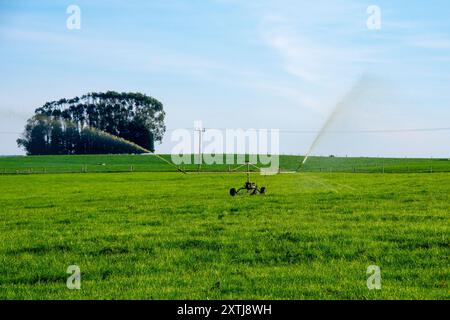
(166, 235)
(150, 163)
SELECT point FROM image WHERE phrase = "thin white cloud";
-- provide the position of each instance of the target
(143, 58)
(320, 72)
(110, 54)
(430, 42)
(399, 25)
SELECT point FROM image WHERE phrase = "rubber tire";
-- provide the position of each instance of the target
(263, 190)
(233, 192)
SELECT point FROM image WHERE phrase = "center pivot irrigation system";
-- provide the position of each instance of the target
(251, 187)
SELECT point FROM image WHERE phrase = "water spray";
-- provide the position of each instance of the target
(353, 95)
(111, 136)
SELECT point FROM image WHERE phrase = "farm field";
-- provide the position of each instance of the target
(166, 235)
(150, 163)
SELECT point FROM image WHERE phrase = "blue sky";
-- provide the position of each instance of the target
(241, 64)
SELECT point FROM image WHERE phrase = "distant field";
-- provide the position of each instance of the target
(173, 236)
(146, 163)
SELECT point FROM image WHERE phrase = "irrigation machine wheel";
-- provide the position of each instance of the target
(233, 192)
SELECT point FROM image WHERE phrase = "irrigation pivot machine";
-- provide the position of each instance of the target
(251, 187)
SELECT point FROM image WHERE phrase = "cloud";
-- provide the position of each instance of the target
(319, 70)
(400, 25)
(430, 42)
(132, 57)
(110, 54)
(308, 58)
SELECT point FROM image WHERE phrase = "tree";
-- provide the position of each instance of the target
(64, 126)
(36, 136)
(57, 143)
(71, 139)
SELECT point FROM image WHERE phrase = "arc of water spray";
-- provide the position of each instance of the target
(66, 122)
(355, 92)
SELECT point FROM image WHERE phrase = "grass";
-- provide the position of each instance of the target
(150, 163)
(163, 235)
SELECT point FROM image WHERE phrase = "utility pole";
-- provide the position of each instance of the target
(198, 127)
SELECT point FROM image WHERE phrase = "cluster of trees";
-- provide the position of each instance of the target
(108, 122)
(44, 135)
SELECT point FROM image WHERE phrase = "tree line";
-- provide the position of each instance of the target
(95, 123)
